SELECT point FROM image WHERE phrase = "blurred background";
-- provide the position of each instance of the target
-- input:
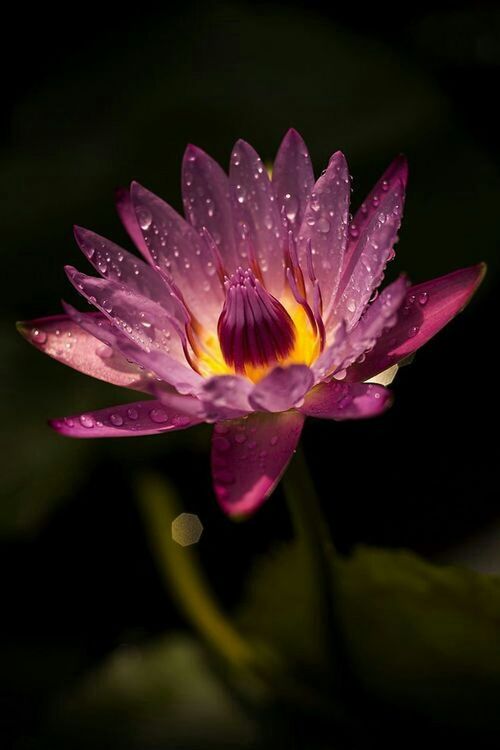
(102, 97)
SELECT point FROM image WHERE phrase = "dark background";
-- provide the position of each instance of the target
(100, 98)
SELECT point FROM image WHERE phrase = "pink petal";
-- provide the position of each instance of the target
(396, 172)
(143, 321)
(128, 420)
(63, 339)
(249, 457)
(325, 226)
(181, 253)
(366, 267)
(226, 397)
(428, 307)
(348, 346)
(209, 202)
(255, 196)
(114, 263)
(126, 213)
(340, 401)
(293, 178)
(282, 389)
(148, 335)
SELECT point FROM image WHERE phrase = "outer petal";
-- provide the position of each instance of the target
(149, 337)
(293, 178)
(366, 267)
(127, 420)
(64, 339)
(397, 172)
(340, 401)
(226, 397)
(282, 389)
(325, 226)
(114, 263)
(249, 457)
(255, 196)
(177, 249)
(428, 307)
(126, 213)
(210, 203)
(347, 347)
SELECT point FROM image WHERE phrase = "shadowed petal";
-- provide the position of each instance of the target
(397, 172)
(249, 457)
(62, 338)
(293, 178)
(340, 401)
(348, 346)
(210, 203)
(180, 252)
(127, 420)
(114, 263)
(126, 213)
(256, 200)
(282, 389)
(325, 226)
(427, 308)
(366, 267)
(226, 397)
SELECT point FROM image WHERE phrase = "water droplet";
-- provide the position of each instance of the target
(351, 305)
(274, 440)
(240, 438)
(413, 331)
(221, 444)
(423, 298)
(323, 225)
(159, 416)
(87, 421)
(144, 218)
(39, 337)
(116, 419)
(132, 413)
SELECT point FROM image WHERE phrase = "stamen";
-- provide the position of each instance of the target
(254, 328)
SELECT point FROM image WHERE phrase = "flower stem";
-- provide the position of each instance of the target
(184, 576)
(320, 563)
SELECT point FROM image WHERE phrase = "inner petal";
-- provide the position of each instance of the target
(254, 328)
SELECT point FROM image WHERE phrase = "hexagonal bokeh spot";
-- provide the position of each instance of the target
(186, 529)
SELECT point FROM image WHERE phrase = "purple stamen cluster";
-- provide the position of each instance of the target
(254, 328)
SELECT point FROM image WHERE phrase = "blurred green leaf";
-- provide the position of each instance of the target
(420, 638)
(162, 695)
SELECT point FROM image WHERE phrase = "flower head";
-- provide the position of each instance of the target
(258, 309)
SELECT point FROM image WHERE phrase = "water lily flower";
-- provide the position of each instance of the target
(258, 309)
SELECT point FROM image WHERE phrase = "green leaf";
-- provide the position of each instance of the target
(163, 695)
(420, 639)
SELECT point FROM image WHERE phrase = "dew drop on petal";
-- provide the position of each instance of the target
(39, 337)
(87, 421)
(159, 416)
(423, 298)
(116, 419)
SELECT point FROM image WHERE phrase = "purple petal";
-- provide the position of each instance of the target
(126, 213)
(340, 401)
(396, 172)
(148, 335)
(128, 420)
(293, 178)
(226, 397)
(210, 203)
(282, 389)
(427, 308)
(181, 253)
(325, 226)
(114, 263)
(256, 199)
(348, 346)
(63, 339)
(143, 321)
(366, 267)
(249, 457)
